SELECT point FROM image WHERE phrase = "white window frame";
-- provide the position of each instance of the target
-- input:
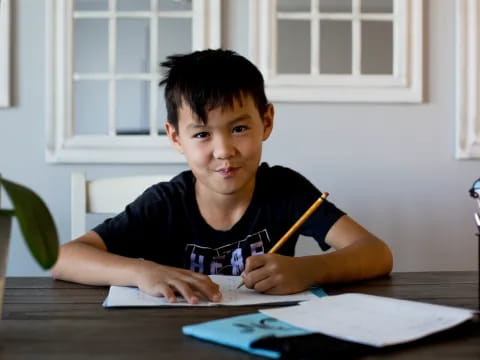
(404, 85)
(4, 53)
(62, 144)
(467, 111)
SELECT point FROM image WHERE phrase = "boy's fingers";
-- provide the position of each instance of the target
(254, 262)
(161, 289)
(212, 295)
(168, 293)
(189, 274)
(209, 289)
(185, 290)
(201, 282)
(253, 277)
(266, 285)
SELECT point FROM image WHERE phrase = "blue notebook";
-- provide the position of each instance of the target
(241, 331)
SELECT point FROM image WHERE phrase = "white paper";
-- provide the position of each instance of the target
(231, 296)
(371, 320)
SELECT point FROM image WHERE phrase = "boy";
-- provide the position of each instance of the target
(228, 207)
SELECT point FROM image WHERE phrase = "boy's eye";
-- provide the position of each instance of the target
(239, 129)
(201, 135)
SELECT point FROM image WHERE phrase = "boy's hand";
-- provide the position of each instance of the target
(160, 280)
(275, 274)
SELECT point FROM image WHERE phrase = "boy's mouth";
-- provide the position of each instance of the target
(227, 171)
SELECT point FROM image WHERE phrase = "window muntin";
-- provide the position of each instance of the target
(335, 47)
(467, 105)
(104, 74)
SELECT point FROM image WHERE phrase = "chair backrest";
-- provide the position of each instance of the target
(105, 196)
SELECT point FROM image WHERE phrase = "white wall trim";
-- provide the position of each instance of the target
(467, 116)
(66, 147)
(404, 85)
(5, 46)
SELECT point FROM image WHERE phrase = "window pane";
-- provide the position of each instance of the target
(377, 6)
(293, 47)
(133, 5)
(289, 5)
(335, 47)
(133, 49)
(377, 47)
(133, 104)
(91, 45)
(177, 5)
(336, 6)
(180, 43)
(90, 107)
(91, 5)
(162, 110)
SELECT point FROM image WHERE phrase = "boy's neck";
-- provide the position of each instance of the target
(221, 211)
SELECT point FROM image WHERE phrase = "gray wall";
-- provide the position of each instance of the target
(391, 167)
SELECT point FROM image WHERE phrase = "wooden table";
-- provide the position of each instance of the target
(48, 319)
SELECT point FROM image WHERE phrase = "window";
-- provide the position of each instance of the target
(105, 105)
(468, 84)
(4, 53)
(338, 50)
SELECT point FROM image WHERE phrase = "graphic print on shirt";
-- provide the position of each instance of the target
(227, 259)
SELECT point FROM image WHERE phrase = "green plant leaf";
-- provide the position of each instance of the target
(7, 212)
(36, 223)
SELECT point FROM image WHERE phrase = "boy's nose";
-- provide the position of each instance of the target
(224, 149)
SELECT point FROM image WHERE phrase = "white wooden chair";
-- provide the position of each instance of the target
(105, 196)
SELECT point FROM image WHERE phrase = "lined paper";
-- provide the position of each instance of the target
(371, 320)
(123, 296)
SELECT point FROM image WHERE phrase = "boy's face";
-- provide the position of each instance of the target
(224, 153)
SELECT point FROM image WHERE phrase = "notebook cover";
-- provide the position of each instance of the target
(241, 331)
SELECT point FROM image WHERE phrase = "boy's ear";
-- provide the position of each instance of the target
(172, 134)
(268, 121)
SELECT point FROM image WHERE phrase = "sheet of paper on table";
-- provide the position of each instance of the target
(123, 296)
(371, 320)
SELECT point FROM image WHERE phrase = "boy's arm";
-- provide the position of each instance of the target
(359, 255)
(86, 260)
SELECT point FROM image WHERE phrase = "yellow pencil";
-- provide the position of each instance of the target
(295, 227)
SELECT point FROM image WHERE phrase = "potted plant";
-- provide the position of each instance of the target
(36, 225)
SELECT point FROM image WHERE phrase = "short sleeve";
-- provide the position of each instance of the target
(303, 194)
(126, 234)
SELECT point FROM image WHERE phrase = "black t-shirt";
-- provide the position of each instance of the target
(164, 224)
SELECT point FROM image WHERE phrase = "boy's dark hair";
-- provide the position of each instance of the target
(207, 79)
